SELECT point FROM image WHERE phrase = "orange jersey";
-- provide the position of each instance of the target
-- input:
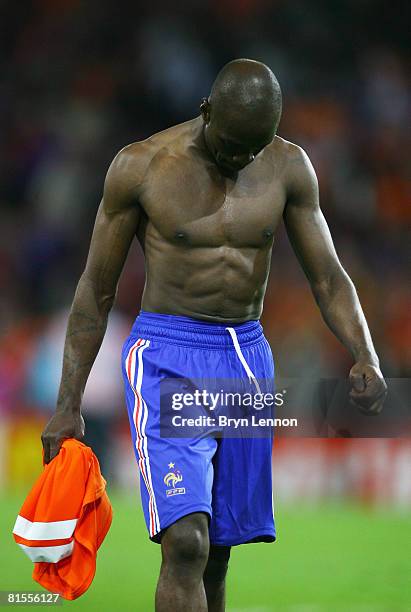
(64, 520)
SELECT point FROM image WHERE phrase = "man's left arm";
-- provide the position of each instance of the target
(333, 289)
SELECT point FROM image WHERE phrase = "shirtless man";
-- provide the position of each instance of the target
(204, 199)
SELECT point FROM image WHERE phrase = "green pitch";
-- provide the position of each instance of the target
(329, 558)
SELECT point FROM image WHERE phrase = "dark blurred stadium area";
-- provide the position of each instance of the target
(82, 79)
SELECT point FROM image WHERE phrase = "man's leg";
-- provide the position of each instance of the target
(214, 577)
(184, 548)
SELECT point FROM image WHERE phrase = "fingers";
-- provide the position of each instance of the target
(377, 406)
(357, 382)
(370, 389)
(46, 449)
(60, 428)
(368, 408)
(371, 400)
(54, 451)
(51, 449)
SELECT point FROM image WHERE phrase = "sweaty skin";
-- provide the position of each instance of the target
(207, 239)
(205, 199)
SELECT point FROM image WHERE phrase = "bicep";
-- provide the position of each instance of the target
(110, 243)
(116, 224)
(307, 228)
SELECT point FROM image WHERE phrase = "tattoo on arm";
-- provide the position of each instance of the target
(114, 229)
(85, 332)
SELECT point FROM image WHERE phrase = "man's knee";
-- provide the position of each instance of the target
(186, 542)
(217, 565)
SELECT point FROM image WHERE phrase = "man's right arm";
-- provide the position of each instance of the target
(115, 226)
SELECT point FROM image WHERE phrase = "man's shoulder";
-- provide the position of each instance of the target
(174, 134)
(130, 166)
(137, 156)
(287, 151)
(295, 162)
(298, 174)
(169, 137)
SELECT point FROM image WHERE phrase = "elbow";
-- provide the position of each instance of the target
(102, 297)
(321, 291)
(105, 299)
(330, 285)
(106, 302)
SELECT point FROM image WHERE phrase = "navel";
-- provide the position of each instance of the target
(180, 236)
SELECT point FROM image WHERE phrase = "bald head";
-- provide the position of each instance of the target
(242, 113)
(247, 86)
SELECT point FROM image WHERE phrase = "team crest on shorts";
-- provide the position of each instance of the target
(173, 477)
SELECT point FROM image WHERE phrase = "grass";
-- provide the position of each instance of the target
(335, 557)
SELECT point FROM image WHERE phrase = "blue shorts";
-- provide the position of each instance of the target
(230, 479)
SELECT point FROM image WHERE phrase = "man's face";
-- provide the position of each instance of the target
(235, 145)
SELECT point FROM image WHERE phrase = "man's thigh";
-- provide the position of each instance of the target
(242, 498)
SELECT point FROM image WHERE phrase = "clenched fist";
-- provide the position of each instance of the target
(368, 388)
(61, 426)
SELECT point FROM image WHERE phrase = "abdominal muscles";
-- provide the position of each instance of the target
(221, 283)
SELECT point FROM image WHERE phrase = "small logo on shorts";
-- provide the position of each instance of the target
(173, 477)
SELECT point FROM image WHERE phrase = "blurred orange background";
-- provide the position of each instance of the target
(82, 80)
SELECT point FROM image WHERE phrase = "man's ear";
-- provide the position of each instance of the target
(205, 110)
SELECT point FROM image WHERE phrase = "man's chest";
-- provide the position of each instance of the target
(190, 203)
